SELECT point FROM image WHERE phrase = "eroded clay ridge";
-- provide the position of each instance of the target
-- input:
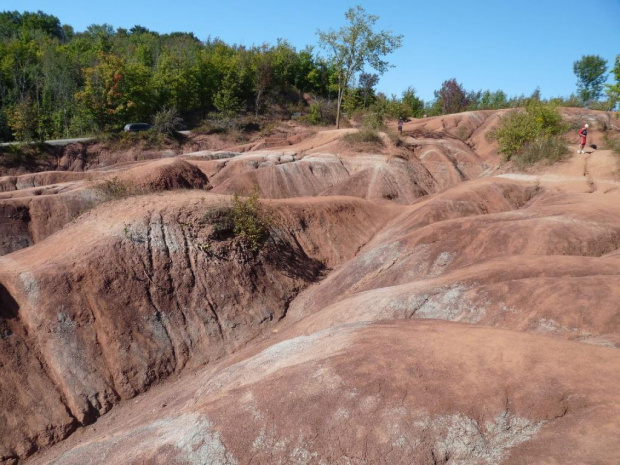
(405, 308)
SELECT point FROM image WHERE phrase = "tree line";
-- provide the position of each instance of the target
(56, 82)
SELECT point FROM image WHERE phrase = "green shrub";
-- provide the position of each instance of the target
(547, 149)
(251, 224)
(612, 141)
(522, 127)
(167, 121)
(322, 112)
(222, 220)
(245, 220)
(234, 127)
(375, 119)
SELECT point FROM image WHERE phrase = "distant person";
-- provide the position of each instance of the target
(583, 136)
(400, 126)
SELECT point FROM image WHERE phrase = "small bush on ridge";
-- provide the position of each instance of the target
(244, 219)
(522, 127)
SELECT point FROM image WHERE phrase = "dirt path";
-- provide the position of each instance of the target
(593, 172)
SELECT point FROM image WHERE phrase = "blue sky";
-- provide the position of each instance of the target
(496, 44)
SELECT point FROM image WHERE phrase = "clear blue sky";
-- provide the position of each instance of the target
(496, 44)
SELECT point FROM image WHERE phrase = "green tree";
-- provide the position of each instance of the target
(493, 100)
(176, 79)
(613, 90)
(226, 100)
(590, 72)
(367, 83)
(414, 104)
(356, 45)
(23, 120)
(263, 75)
(116, 93)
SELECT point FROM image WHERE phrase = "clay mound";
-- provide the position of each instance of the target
(432, 261)
(373, 177)
(394, 391)
(322, 141)
(133, 292)
(326, 343)
(473, 128)
(12, 183)
(86, 157)
(470, 128)
(391, 179)
(161, 175)
(33, 214)
(571, 297)
(279, 175)
(450, 162)
(30, 219)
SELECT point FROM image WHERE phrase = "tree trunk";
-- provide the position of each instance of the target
(339, 102)
(338, 112)
(258, 96)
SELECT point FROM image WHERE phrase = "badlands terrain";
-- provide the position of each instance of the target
(421, 303)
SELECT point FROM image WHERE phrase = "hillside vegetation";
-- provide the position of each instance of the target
(57, 82)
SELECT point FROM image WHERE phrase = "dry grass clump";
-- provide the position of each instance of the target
(364, 140)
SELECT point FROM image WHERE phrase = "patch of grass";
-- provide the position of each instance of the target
(547, 150)
(364, 140)
(245, 219)
(126, 140)
(115, 188)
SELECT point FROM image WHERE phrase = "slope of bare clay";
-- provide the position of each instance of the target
(129, 294)
(396, 392)
(424, 304)
(42, 203)
(37, 205)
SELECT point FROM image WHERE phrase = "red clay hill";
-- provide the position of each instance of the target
(420, 302)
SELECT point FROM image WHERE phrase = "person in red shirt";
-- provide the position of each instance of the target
(583, 135)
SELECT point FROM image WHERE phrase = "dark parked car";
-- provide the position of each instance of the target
(136, 127)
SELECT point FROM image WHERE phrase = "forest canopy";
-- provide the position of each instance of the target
(56, 82)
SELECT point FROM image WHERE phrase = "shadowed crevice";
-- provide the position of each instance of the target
(8, 306)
